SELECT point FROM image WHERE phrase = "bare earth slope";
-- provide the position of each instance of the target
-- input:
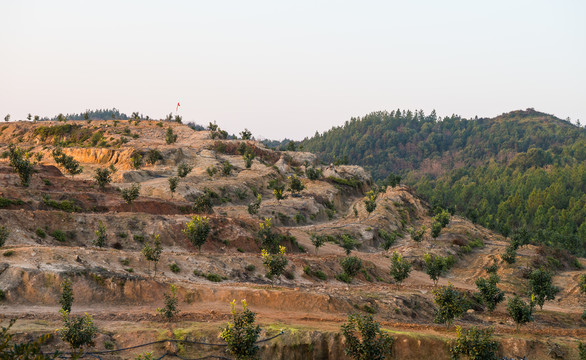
(53, 222)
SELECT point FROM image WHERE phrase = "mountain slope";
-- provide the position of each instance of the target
(520, 169)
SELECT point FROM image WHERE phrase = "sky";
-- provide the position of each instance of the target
(286, 69)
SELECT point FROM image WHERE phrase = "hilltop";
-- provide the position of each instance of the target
(52, 227)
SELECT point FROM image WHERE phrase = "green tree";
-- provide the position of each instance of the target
(317, 241)
(78, 332)
(541, 285)
(197, 231)
(103, 177)
(434, 266)
(29, 117)
(173, 182)
(443, 217)
(278, 191)
(183, 170)
(246, 134)
(170, 137)
(171, 304)
(178, 119)
(131, 193)
(475, 344)
(400, 268)
(351, 265)
(7, 117)
(436, 229)
(370, 201)
(101, 235)
(4, 232)
(152, 253)
(490, 294)
(136, 160)
(248, 157)
(275, 263)
(227, 168)
(66, 299)
(269, 240)
(313, 173)
(510, 254)
(451, 304)
(295, 185)
(417, 235)
(20, 164)
(241, 334)
(364, 338)
(520, 311)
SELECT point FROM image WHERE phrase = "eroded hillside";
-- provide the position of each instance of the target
(53, 223)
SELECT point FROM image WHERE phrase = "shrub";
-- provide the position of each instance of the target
(388, 238)
(152, 156)
(58, 235)
(170, 310)
(582, 284)
(351, 265)
(278, 191)
(78, 332)
(183, 170)
(364, 338)
(248, 157)
(313, 173)
(211, 170)
(299, 218)
(320, 275)
(174, 268)
(64, 205)
(269, 240)
(348, 243)
(197, 231)
(136, 160)
(101, 235)
(170, 137)
(490, 294)
(451, 304)
(250, 268)
(241, 334)
(4, 232)
(66, 299)
(103, 177)
(8, 253)
(343, 277)
(520, 311)
(254, 206)
(227, 168)
(370, 201)
(295, 185)
(443, 218)
(203, 203)
(475, 343)
(400, 268)
(436, 229)
(541, 285)
(582, 350)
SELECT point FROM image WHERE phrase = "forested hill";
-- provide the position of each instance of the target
(523, 169)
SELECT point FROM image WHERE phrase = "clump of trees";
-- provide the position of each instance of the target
(364, 338)
(241, 333)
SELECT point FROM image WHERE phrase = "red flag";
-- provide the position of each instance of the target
(177, 109)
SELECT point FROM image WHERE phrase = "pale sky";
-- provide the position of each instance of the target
(287, 69)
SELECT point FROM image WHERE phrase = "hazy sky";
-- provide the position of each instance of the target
(287, 69)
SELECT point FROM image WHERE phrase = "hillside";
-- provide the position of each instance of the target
(54, 231)
(523, 169)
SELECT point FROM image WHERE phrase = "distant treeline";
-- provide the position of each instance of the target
(524, 169)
